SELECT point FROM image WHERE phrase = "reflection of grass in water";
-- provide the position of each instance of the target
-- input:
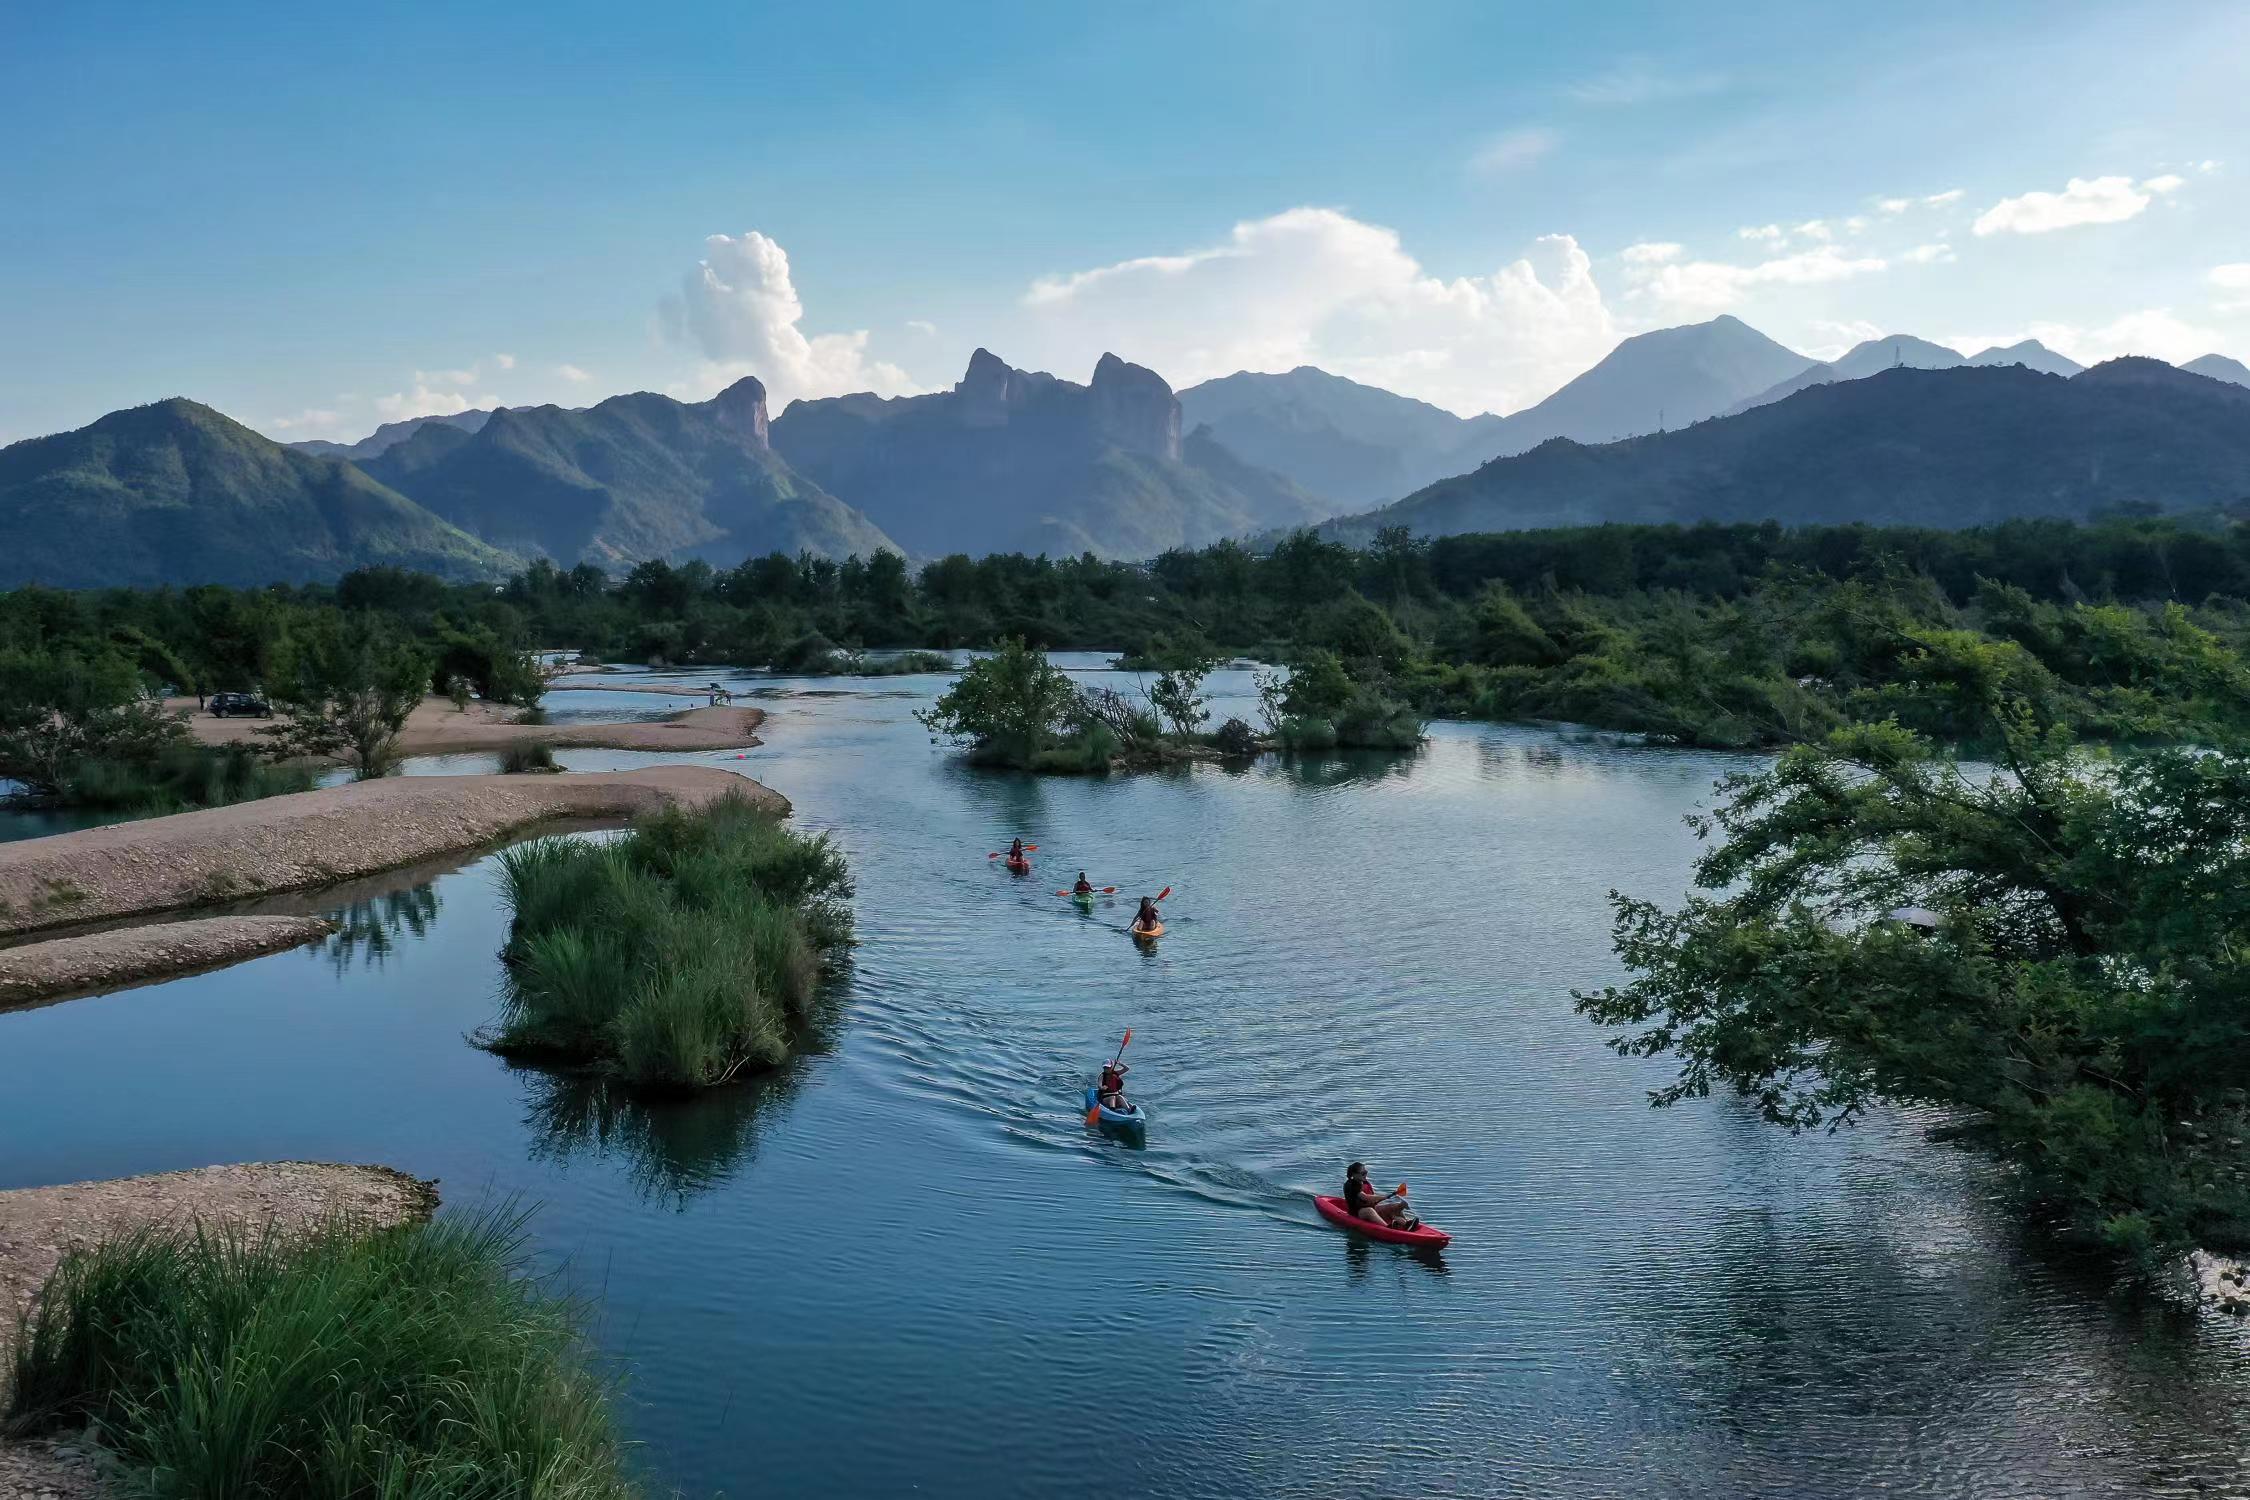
(367, 931)
(673, 1148)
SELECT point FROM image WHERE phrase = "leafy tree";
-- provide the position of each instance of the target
(1178, 696)
(348, 689)
(60, 710)
(1007, 706)
(2081, 1004)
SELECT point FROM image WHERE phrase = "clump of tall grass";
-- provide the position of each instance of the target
(676, 958)
(516, 760)
(416, 1361)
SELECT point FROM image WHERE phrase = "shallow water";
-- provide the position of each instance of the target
(904, 1263)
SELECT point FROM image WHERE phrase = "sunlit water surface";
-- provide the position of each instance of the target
(905, 1264)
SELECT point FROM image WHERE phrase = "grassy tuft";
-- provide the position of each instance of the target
(676, 958)
(418, 1361)
(516, 760)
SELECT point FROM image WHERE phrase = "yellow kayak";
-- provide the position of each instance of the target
(1147, 933)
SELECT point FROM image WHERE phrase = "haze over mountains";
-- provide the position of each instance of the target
(1717, 421)
(1966, 446)
(1364, 445)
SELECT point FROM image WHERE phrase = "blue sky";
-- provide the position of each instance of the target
(317, 217)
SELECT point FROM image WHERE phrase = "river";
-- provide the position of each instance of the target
(905, 1264)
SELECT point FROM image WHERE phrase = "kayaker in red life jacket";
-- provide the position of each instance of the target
(1015, 851)
(1376, 1208)
(1113, 1086)
(1084, 887)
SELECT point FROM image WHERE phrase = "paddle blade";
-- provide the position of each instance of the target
(1121, 1046)
(1160, 895)
(1029, 847)
(1402, 1190)
(1109, 890)
(1094, 1115)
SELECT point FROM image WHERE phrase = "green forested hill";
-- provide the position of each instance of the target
(176, 493)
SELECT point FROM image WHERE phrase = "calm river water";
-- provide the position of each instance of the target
(904, 1264)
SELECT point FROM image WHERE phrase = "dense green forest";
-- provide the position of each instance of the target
(1721, 636)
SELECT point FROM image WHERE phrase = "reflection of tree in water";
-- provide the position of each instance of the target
(1333, 768)
(672, 1148)
(367, 931)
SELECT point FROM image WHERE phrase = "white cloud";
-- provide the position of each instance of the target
(1814, 229)
(2233, 282)
(312, 422)
(2083, 200)
(1650, 253)
(1894, 205)
(1316, 286)
(1636, 80)
(2168, 183)
(573, 374)
(1838, 339)
(425, 400)
(2153, 331)
(1924, 255)
(740, 308)
(1708, 286)
(922, 326)
(1513, 149)
(1764, 234)
(504, 361)
(1941, 200)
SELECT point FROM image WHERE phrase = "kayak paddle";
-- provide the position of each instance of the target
(995, 854)
(1106, 890)
(1094, 1110)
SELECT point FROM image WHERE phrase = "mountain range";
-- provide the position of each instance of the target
(1965, 446)
(1364, 445)
(177, 493)
(1715, 420)
(1015, 460)
(630, 478)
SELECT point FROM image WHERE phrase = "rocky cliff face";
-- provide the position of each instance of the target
(1134, 409)
(1017, 460)
(741, 410)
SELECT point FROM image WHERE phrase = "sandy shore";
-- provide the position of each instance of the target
(436, 727)
(97, 961)
(224, 854)
(38, 1225)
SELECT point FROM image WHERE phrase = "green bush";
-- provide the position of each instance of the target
(419, 1361)
(182, 777)
(677, 957)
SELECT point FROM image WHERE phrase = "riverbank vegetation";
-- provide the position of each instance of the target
(678, 957)
(1738, 636)
(421, 1360)
(2049, 947)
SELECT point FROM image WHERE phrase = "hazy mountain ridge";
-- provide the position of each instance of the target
(631, 478)
(177, 493)
(1018, 460)
(1358, 442)
(391, 434)
(1943, 448)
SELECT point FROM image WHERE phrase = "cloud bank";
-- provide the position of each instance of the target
(1317, 286)
(739, 307)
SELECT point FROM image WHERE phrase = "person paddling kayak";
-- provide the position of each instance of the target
(1363, 1202)
(1084, 887)
(1112, 1086)
(1148, 920)
(1015, 852)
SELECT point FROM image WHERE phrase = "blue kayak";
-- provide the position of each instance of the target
(1131, 1119)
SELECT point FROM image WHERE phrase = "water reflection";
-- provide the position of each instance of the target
(671, 1150)
(368, 930)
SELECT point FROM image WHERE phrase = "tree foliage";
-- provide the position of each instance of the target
(347, 687)
(2079, 1006)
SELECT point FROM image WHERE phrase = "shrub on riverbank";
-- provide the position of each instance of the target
(517, 760)
(182, 777)
(419, 1361)
(677, 957)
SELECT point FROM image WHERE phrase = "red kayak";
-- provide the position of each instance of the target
(1019, 866)
(1333, 1210)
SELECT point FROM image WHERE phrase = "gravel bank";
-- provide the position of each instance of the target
(98, 961)
(438, 728)
(317, 838)
(38, 1225)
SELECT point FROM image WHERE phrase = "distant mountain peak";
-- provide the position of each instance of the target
(2219, 367)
